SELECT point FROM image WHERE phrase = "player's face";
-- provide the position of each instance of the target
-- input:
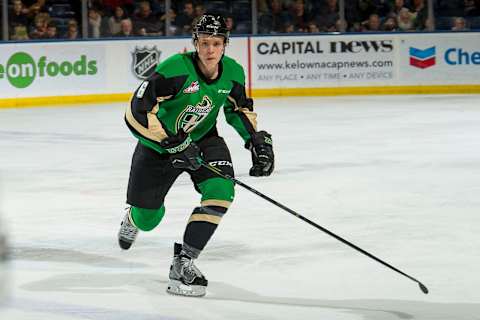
(210, 50)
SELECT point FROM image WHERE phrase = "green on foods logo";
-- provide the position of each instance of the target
(21, 69)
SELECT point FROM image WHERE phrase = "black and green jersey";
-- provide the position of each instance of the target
(178, 96)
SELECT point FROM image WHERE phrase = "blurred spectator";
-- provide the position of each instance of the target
(398, 5)
(264, 6)
(328, 16)
(459, 24)
(274, 16)
(312, 27)
(390, 24)
(94, 23)
(340, 26)
(365, 8)
(115, 20)
(33, 11)
(372, 24)
(429, 25)
(184, 20)
(356, 27)
(299, 16)
(171, 15)
(39, 30)
(420, 12)
(199, 10)
(230, 24)
(472, 8)
(52, 32)
(145, 23)
(288, 27)
(72, 30)
(110, 5)
(126, 28)
(158, 7)
(20, 33)
(32, 7)
(351, 12)
(91, 4)
(381, 7)
(273, 20)
(405, 20)
(17, 15)
(288, 4)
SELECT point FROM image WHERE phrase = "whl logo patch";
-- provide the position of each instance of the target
(422, 58)
(145, 61)
(192, 88)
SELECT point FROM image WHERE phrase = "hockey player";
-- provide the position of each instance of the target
(173, 114)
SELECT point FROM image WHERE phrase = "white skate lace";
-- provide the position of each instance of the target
(189, 269)
(128, 231)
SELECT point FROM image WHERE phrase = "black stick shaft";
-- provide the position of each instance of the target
(310, 222)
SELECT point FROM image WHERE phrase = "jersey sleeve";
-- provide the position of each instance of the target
(239, 108)
(141, 115)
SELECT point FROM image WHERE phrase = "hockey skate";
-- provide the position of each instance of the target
(127, 233)
(185, 278)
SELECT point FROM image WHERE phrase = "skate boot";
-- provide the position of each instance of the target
(127, 233)
(185, 278)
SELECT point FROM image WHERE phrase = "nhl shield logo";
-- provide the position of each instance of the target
(144, 61)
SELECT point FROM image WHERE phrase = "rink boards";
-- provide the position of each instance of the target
(109, 70)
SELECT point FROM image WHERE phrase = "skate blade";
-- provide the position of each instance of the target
(178, 288)
(124, 245)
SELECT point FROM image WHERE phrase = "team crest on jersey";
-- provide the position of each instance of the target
(192, 88)
(144, 61)
(193, 115)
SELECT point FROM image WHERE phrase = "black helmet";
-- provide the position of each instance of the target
(211, 24)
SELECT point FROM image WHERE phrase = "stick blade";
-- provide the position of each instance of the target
(423, 288)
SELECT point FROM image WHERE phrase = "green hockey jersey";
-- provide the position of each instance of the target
(178, 96)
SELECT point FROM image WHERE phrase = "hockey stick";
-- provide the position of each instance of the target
(258, 193)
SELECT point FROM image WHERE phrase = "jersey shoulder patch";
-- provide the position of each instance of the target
(141, 89)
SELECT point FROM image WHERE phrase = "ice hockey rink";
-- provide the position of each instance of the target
(398, 176)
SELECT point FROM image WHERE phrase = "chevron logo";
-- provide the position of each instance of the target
(422, 58)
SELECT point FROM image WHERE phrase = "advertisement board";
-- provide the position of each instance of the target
(88, 67)
(323, 61)
(29, 70)
(143, 55)
(366, 63)
(452, 58)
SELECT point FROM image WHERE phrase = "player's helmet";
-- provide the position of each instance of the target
(211, 24)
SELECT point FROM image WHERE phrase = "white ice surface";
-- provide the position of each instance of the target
(398, 176)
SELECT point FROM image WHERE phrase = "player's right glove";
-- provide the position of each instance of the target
(263, 158)
(184, 153)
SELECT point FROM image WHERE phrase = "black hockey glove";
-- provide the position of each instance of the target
(262, 154)
(184, 153)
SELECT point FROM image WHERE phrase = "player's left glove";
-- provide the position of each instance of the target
(184, 153)
(262, 154)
